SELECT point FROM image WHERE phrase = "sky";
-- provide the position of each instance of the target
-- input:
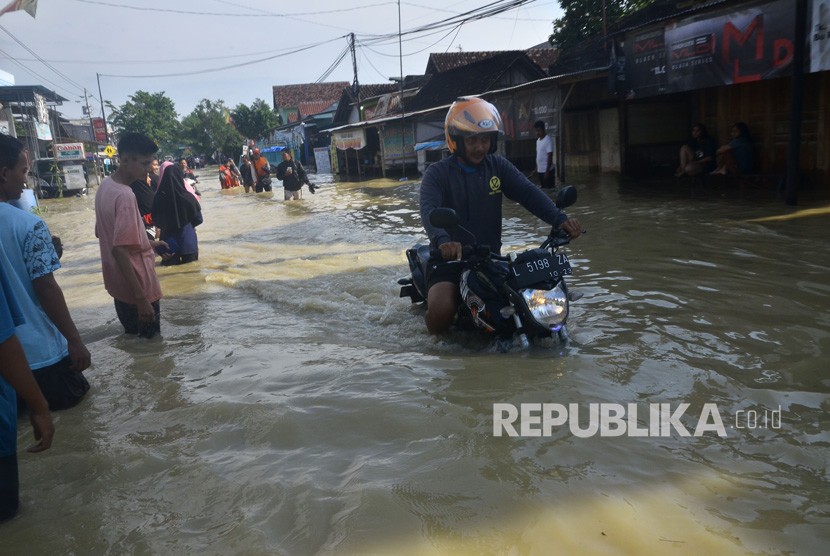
(237, 50)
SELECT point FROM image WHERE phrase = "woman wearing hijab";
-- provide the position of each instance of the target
(176, 213)
(144, 194)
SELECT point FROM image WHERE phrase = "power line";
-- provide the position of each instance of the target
(165, 61)
(489, 10)
(260, 13)
(42, 61)
(385, 77)
(241, 64)
(34, 73)
(333, 66)
(454, 23)
(456, 13)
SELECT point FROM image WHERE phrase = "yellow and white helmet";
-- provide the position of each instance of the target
(471, 116)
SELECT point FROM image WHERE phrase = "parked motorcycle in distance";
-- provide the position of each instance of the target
(521, 296)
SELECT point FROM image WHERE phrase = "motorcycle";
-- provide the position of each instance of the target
(520, 296)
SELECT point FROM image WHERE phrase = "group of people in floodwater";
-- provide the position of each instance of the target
(145, 209)
(702, 155)
(255, 175)
(169, 204)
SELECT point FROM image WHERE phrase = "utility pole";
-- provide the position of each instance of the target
(403, 115)
(355, 83)
(92, 130)
(796, 106)
(103, 114)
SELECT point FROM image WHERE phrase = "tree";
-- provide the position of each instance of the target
(208, 130)
(583, 19)
(152, 114)
(255, 121)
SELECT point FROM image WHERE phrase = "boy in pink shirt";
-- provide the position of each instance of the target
(127, 256)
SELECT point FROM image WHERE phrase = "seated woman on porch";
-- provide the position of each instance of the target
(736, 157)
(697, 156)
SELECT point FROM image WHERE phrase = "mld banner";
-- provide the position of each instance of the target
(723, 48)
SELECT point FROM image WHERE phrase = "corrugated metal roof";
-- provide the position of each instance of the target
(25, 93)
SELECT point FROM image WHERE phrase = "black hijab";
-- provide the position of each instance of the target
(174, 206)
(143, 195)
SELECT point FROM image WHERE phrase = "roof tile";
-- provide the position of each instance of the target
(290, 96)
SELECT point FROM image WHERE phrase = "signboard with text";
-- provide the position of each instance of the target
(645, 61)
(99, 130)
(818, 32)
(725, 48)
(74, 176)
(69, 151)
(351, 139)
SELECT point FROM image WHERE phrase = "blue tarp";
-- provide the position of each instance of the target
(431, 146)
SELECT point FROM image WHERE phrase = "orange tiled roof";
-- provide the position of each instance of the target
(290, 96)
(314, 107)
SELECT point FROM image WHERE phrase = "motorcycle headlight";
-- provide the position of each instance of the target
(548, 307)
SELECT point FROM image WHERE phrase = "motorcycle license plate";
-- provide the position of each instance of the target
(538, 265)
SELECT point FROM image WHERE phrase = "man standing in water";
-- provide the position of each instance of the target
(473, 182)
(293, 177)
(544, 157)
(127, 257)
(261, 170)
(247, 173)
(53, 346)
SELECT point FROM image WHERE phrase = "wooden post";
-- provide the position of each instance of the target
(796, 105)
(382, 152)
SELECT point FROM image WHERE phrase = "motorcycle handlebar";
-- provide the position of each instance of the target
(558, 237)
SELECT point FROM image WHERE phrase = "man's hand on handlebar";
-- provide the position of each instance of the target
(572, 227)
(450, 251)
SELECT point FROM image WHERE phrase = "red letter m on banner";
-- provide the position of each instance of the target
(730, 33)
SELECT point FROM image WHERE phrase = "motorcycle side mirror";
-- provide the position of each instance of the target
(443, 217)
(566, 197)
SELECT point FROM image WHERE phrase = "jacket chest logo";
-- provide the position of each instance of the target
(495, 185)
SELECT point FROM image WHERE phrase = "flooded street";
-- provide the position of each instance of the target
(296, 405)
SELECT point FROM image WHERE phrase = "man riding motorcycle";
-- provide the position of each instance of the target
(472, 182)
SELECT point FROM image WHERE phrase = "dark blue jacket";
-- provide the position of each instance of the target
(477, 198)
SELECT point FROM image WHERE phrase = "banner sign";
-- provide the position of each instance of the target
(70, 151)
(818, 31)
(398, 142)
(521, 111)
(74, 175)
(99, 130)
(322, 160)
(40, 108)
(645, 61)
(43, 131)
(350, 139)
(726, 48)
